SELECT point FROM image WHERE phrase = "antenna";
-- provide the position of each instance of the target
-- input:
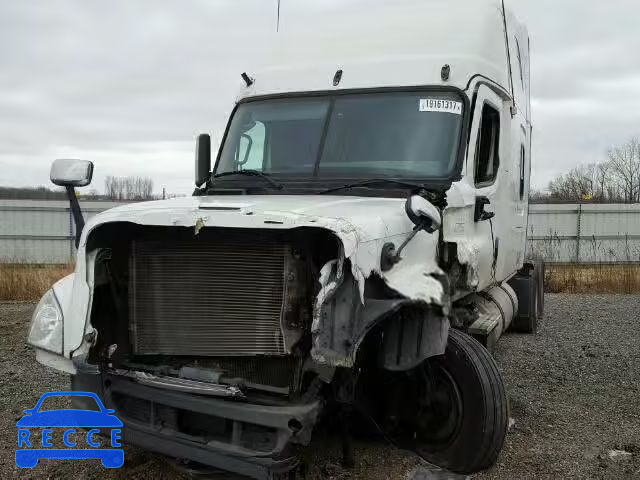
(278, 19)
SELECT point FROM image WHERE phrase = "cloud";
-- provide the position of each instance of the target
(585, 80)
(116, 82)
(130, 84)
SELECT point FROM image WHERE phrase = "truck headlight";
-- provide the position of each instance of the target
(46, 324)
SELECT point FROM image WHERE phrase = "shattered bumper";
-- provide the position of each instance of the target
(248, 439)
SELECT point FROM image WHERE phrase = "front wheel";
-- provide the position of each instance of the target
(461, 407)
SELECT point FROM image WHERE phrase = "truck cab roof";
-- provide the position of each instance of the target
(396, 45)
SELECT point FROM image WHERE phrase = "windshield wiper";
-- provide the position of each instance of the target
(372, 181)
(253, 173)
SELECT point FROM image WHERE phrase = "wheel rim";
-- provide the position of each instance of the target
(440, 416)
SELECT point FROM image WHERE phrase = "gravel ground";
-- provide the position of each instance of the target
(574, 391)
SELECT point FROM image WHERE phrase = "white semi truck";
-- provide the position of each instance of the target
(357, 246)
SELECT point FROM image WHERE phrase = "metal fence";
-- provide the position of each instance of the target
(585, 233)
(42, 232)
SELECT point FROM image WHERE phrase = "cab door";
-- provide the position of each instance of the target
(479, 212)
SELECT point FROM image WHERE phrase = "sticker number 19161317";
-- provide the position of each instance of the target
(440, 105)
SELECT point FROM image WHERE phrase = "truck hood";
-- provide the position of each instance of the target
(372, 218)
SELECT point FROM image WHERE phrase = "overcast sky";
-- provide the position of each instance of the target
(129, 83)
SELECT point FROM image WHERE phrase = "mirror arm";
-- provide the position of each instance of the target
(78, 219)
(391, 256)
(415, 231)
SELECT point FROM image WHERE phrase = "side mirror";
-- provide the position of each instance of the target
(203, 158)
(71, 173)
(423, 214)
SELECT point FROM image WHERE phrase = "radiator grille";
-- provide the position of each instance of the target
(219, 297)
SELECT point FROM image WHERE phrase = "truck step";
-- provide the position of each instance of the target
(495, 309)
(487, 331)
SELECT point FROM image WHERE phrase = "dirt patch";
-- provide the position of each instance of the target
(574, 390)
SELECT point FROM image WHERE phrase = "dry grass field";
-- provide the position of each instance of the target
(29, 282)
(620, 279)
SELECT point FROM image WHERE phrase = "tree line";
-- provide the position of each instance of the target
(615, 180)
(131, 188)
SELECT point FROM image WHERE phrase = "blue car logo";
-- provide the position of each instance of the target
(31, 448)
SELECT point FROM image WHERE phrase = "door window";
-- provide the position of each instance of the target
(487, 158)
(250, 151)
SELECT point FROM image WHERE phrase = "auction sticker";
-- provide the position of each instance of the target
(440, 105)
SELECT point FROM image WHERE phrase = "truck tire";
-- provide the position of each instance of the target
(467, 378)
(528, 286)
(527, 322)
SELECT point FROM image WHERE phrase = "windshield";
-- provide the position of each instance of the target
(413, 135)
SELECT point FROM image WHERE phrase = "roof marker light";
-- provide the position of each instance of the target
(337, 77)
(445, 72)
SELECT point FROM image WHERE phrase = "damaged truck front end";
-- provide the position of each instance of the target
(223, 345)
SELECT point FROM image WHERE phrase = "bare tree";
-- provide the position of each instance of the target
(615, 180)
(129, 185)
(577, 184)
(625, 166)
(602, 174)
(128, 188)
(110, 189)
(144, 188)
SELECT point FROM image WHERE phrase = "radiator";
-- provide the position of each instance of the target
(222, 296)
